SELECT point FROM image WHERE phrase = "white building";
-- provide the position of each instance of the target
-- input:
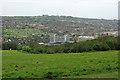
(82, 38)
(60, 38)
(41, 43)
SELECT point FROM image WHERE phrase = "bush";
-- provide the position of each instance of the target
(19, 47)
(38, 50)
(27, 49)
(66, 50)
(9, 45)
(100, 44)
(88, 48)
(75, 48)
(96, 47)
(111, 44)
(104, 47)
(57, 49)
(49, 51)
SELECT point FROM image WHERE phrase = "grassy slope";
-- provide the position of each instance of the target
(17, 64)
(20, 33)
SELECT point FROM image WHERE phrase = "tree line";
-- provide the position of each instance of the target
(100, 44)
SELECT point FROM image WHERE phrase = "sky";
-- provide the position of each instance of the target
(103, 9)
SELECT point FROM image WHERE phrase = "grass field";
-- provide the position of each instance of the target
(73, 65)
(20, 33)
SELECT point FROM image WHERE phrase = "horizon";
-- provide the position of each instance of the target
(97, 9)
(55, 15)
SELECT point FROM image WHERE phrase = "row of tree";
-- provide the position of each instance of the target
(101, 44)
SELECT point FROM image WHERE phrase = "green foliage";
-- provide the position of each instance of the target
(66, 50)
(49, 51)
(19, 47)
(75, 48)
(100, 44)
(111, 44)
(9, 46)
(39, 50)
(27, 49)
(105, 47)
(97, 46)
(24, 65)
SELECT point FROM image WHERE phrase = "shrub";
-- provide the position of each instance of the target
(49, 51)
(75, 48)
(27, 49)
(19, 47)
(9, 45)
(66, 50)
(88, 48)
(104, 47)
(100, 44)
(57, 49)
(111, 44)
(39, 50)
(97, 47)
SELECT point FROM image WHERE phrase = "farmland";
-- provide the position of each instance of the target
(101, 64)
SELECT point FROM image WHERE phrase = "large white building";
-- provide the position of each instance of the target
(82, 38)
(60, 38)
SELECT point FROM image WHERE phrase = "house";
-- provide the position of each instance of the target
(82, 38)
(41, 43)
(60, 38)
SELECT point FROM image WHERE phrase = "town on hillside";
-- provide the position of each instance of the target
(54, 30)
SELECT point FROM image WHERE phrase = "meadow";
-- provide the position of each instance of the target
(20, 33)
(100, 64)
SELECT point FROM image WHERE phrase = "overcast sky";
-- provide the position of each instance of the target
(107, 9)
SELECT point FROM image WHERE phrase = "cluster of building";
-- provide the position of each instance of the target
(82, 38)
(109, 33)
(61, 39)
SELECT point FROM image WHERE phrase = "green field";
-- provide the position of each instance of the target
(73, 65)
(20, 33)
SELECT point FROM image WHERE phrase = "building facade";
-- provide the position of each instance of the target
(60, 38)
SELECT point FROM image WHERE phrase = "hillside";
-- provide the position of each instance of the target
(42, 26)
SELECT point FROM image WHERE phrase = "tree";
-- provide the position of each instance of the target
(9, 46)
(111, 44)
(96, 47)
(27, 49)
